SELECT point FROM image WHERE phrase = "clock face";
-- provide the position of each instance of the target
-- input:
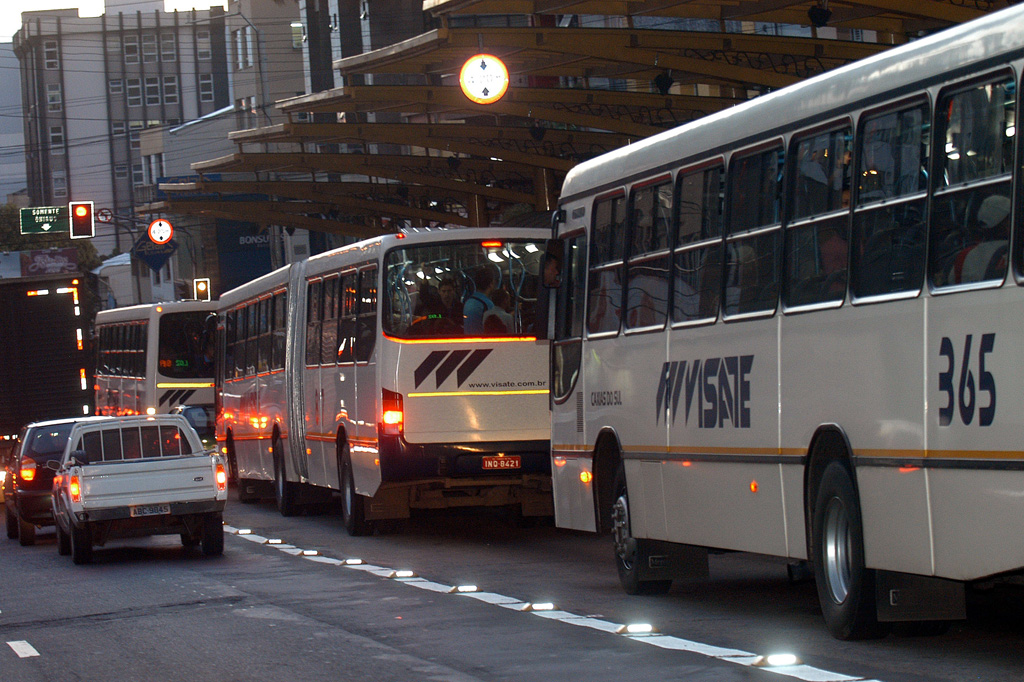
(484, 79)
(160, 231)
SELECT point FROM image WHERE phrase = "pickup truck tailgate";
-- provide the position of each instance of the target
(148, 481)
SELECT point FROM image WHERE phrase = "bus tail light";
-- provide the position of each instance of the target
(392, 413)
(75, 489)
(222, 478)
(27, 472)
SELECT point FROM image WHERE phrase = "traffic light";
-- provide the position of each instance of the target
(201, 289)
(83, 225)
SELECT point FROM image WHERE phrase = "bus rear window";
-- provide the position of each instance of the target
(186, 346)
(453, 289)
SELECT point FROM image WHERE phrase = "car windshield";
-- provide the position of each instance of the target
(47, 440)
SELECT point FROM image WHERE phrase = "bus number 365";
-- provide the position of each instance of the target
(961, 389)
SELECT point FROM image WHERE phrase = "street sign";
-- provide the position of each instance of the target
(152, 254)
(484, 78)
(44, 219)
(104, 215)
(161, 231)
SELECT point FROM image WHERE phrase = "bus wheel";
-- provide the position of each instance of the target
(284, 491)
(353, 512)
(630, 551)
(846, 589)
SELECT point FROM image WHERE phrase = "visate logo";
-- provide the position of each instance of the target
(445, 362)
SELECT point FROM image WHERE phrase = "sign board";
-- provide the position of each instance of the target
(161, 231)
(152, 254)
(45, 219)
(484, 78)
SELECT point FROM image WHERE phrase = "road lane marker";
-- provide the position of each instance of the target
(23, 649)
(805, 673)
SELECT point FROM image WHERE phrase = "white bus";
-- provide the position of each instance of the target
(374, 370)
(156, 357)
(782, 329)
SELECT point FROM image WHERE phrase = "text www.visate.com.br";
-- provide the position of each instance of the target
(509, 384)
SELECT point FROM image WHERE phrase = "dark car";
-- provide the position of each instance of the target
(28, 483)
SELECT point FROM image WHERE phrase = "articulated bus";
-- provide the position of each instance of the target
(155, 358)
(793, 328)
(403, 372)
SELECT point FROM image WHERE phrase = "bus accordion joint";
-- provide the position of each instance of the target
(392, 413)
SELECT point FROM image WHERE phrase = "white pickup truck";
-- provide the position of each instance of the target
(129, 477)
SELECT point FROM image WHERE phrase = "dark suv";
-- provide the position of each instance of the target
(28, 484)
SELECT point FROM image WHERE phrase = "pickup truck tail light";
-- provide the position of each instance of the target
(222, 478)
(75, 489)
(27, 472)
(392, 413)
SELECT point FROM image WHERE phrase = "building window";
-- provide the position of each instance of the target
(51, 57)
(138, 174)
(149, 49)
(298, 35)
(53, 97)
(57, 139)
(205, 87)
(170, 89)
(114, 44)
(134, 86)
(121, 171)
(168, 47)
(152, 90)
(117, 128)
(131, 49)
(60, 184)
(203, 51)
(133, 136)
(116, 86)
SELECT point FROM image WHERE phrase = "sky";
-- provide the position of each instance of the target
(10, 10)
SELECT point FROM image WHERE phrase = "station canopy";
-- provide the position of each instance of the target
(399, 144)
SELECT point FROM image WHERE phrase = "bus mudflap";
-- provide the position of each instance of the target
(907, 597)
(660, 560)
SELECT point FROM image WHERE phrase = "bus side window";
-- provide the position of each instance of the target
(647, 273)
(279, 325)
(314, 313)
(697, 263)
(817, 239)
(970, 222)
(366, 319)
(754, 237)
(329, 332)
(604, 289)
(887, 248)
(346, 316)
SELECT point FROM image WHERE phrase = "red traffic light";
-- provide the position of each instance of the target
(83, 224)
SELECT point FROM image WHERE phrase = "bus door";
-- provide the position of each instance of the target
(312, 393)
(343, 379)
(365, 471)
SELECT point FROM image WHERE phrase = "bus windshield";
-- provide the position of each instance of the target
(186, 345)
(467, 288)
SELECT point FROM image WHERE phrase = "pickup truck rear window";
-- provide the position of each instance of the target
(115, 445)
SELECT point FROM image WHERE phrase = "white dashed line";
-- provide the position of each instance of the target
(806, 673)
(23, 649)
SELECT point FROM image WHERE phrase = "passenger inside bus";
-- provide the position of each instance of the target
(985, 256)
(498, 320)
(479, 302)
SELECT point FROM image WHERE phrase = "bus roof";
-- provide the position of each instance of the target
(886, 76)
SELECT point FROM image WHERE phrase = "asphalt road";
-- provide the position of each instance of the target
(148, 610)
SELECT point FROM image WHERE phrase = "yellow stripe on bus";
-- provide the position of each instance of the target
(446, 394)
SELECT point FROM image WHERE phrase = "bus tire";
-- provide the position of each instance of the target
(81, 545)
(212, 534)
(353, 510)
(63, 541)
(284, 490)
(629, 551)
(846, 589)
(26, 533)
